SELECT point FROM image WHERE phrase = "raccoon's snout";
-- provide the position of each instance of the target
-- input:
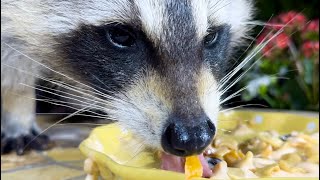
(182, 139)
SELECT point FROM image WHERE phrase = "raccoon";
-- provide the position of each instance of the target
(154, 66)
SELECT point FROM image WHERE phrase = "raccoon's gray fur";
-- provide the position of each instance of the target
(157, 62)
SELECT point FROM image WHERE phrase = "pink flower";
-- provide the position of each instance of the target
(279, 42)
(282, 40)
(313, 26)
(266, 51)
(293, 18)
(310, 48)
(261, 37)
(290, 20)
(275, 24)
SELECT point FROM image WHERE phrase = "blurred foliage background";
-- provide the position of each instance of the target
(267, 8)
(287, 75)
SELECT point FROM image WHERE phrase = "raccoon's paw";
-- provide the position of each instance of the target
(24, 142)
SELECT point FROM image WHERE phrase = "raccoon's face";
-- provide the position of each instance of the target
(160, 61)
(163, 62)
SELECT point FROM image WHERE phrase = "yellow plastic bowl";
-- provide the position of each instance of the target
(119, 156)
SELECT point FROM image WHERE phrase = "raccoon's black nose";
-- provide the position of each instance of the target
(183, 139)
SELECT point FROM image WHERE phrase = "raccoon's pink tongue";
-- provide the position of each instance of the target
(176, 163)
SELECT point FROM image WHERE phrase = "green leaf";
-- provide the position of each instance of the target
(308, 71)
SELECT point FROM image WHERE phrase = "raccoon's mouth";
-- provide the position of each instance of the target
(175, 163)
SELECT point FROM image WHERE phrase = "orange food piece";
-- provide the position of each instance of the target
(233, 157)
(193, 167)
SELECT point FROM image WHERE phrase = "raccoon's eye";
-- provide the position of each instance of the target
(210, 39)
(120, 37)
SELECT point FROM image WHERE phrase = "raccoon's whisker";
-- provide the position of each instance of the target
(229, 109)
(100, 116)
(43, 90)
(62, 84)
(87, 124)
(263, 43)
(233, 72)
(232, 120)
(64, 105)
(80, 90)
(215, 5)
(260, 23)
(111, 88)
(69, 87)
(235, 81)
(108, 97)
(244, 88)
(233, 94)
(256, 49)
(233, 102)
(73, 95)
(250, 45)
(135, 151)
(67, 93)
(105, 90)
(253, 53)
(241, 75)
(215, 11)
(71, 107)
(63, 102)
(98, 80)
(57, 72)
(67, 117)
(224, 130)
(83, 115)
(256, 61)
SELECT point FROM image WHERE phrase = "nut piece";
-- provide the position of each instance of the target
(239, 173)
(286, 148)
(233, 157)
(247, 162)
(91, 168)
(220, 152)
(227, 141)
(284, 165)
(220, 171)
(267, 170)
(266, 152)
(242, 130)
(271, 138)
(261, 162)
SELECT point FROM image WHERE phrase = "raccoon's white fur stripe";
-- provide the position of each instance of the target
(151, 15)
(210, 13)
(234, 13)
(200, 13)
(209, 94)
(36, 19)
